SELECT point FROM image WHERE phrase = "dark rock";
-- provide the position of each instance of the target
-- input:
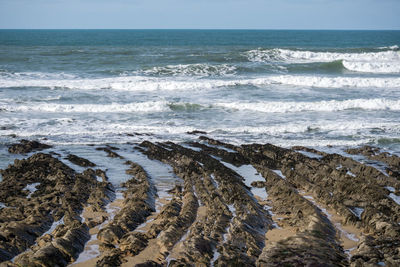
(60, 193)
(80, 161)
(149, 264)
(110, 261)
(196, 132)
(258, 184)
(26, 146)
(109, 152)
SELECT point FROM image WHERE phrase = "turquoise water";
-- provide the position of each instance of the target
(314, 88)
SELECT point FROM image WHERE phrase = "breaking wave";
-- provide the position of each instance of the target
(202, 70)
(164, 106)
(328, 106)
(152, 106)
(142, 83)
(373, 62)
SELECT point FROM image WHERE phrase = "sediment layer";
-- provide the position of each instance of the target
(249, 205)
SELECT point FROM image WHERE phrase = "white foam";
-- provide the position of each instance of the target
(128, 83)
(67, 131)
(336, 82)
(302, 56)
(327, 106)
(151, 106)
(164, 106)
(36, 75)
(376, 62)
(339, 127)
(202, 70)
(372, 67)
(146, 84)
(392, 47)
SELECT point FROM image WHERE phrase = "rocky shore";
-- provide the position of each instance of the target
(248, 205)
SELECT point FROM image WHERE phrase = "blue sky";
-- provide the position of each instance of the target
(200, 14)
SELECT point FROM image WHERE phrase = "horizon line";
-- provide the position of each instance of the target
(203, 29)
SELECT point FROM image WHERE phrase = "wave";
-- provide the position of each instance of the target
(301, 56)
(392, 47)
(328, 106)
(373, 62)
(164, 106)
(336, 82)
(333, 131)
(142, 107)
(372, 67)
(202, 70)
(126, 83)
(142, 83)
(151, 106)
(336, 128)
(5, 74)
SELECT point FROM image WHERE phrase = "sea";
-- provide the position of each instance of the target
(322, 89)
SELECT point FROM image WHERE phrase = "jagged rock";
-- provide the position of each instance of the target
(258, 184)
(148, 264)
(26, 146)
(196, 132)
(109, 152)
(211, 217)
(110, 261)
(38, 191)
(80, 161)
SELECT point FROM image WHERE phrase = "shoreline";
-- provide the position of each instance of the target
(204, 202)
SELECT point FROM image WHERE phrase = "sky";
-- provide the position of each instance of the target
(200, 14)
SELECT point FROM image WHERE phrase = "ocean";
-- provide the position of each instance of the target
(323, 89)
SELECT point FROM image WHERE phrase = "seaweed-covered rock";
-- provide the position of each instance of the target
(26, 146)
